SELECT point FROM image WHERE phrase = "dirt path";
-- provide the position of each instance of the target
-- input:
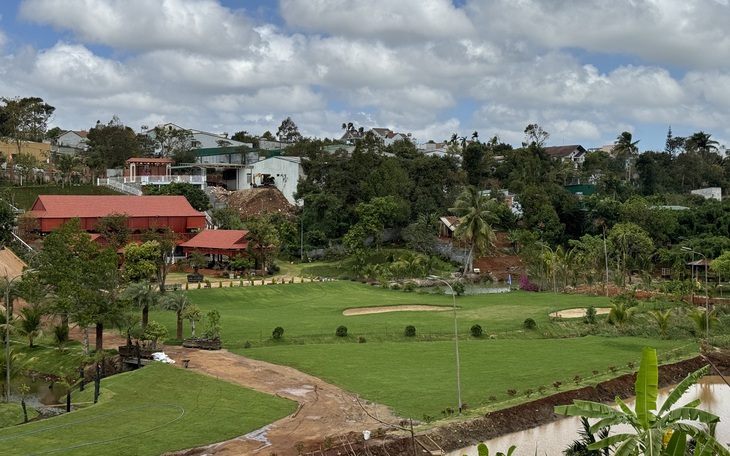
(324, 409)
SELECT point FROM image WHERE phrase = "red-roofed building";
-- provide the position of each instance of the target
(143, 212)
(231, 243)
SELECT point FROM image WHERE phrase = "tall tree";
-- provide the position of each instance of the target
(701, 142)
(143, 295)
(178, 303)
(177, 144)
(625, 149)
(166, 239)
(110, 145)
(288, 131)
(476, 216)
(83, 279)
(24, 119)
(114, 229)
(631, 248)
(263, 240)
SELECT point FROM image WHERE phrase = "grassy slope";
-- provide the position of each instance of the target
(417, 376)
(147, 412)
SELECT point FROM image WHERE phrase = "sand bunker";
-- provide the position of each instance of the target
(577, 313)
(374, 310)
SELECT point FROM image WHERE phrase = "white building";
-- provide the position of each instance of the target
(282, 172)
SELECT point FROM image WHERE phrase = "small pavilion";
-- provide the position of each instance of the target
(145, 167)
(218, 243)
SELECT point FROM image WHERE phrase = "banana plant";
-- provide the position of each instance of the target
(657, 432)
(484, 451)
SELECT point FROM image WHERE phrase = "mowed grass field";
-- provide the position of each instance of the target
(150, 411)
(417, 376)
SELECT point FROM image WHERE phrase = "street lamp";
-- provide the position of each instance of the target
(456, 339)
(707, 294)
(8, 285)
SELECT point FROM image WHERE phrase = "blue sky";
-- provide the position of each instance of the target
(585, 70)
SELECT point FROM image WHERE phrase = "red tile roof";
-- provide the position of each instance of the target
(218, 239)
(89, 206)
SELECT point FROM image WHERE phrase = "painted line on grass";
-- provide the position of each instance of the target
(88, 420)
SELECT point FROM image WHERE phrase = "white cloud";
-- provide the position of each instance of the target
(379, 20)
(138, 25)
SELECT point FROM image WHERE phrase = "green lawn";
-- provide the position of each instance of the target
(417, 376)
(153, 410)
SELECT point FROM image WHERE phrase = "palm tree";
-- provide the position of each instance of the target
(701, 142)
(580, 447)
(620, 314)
(143, 295)
(651, 425)
(476, 216)
(701, 322)
(177, 302)
(662, 320)
(625, 149)
(31, 323)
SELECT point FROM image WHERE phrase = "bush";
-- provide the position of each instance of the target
(529, 323)
(409, 287)
(476, 331)
(526, 285)
(247, 344)
(278, 332)
(341, 331)
(361, 339)
(459, 288)
(590, 316)
(410, 331)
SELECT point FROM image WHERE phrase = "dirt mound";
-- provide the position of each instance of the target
(255, 202)
(502, 262)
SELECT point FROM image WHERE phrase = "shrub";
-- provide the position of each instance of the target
(476, 331)
(247, 344)
(492, 399)
(409, 287)
(277, 333)
(410, 331)
(361, 339)
(341, 331)
(526, 285)
(590, 316)
(459, 288)
(557, 385)
(577, 379)
(396, 286)
(528, 392)
(529, 323)
(541, 389)
(511, 392)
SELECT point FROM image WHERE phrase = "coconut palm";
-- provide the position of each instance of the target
(476, 216)
(177, 302)
(701, 322)
(30, 323)
(701, 142)
(651, 425)
(144, 296)
(620, 314)
(580, 447)
(662, 320)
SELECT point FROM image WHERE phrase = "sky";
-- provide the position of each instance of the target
(584, 70)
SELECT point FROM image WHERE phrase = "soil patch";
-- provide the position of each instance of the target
(409, 308)
(577, 313)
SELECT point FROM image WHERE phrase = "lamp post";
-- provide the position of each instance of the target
(456, 339)
(707, 291)
(8, 285)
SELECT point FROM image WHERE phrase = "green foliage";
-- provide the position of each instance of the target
(213, 325)
(277, 333)
(649, 423)
(529, 323)
(155, 332)
(193, 193)
(409, 331)
(476, 330)
(476, 217)
(590, 316)
(459, 288)
(341, 331)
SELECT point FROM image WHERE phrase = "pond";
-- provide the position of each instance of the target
(42, 392)
(551, 439)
